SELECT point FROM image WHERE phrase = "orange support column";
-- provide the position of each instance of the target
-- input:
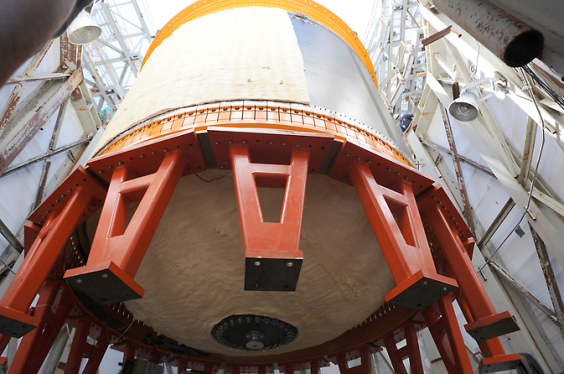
(272, 256)
(315, 367)
(81, 348)
(365, 366)
(410, 350)
(49, 316)
(41, 258)
(447, 336)
(486, 324)
(117, 252)
(78, 346)
(403, 242)
(95, 359)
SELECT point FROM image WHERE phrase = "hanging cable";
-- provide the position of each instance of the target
(530, 89)
(545, 86)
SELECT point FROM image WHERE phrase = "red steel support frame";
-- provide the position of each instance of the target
(80, 348)
(410, 350)
(273, 258)
(52, 310)
(365, 366)
(447, 336)
(117, 251)
(476, 301)
(38, 263)
(404, 242)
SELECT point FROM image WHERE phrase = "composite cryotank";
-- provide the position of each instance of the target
(251, 204)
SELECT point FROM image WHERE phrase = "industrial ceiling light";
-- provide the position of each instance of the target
(83, 30)
(465, 107)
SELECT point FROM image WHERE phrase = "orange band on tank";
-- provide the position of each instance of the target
(309, 8)
(253, 116)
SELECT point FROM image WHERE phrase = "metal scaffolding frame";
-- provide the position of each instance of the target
(88, 79)
(393, 40)
(513, 169)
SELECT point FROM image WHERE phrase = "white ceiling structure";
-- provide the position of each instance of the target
(502, 170)
(493, 163)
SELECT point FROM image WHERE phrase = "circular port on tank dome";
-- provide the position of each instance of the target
(250, 332)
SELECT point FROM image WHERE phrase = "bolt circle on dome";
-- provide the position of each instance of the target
(250, 332)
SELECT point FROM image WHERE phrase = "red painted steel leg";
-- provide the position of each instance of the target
(477, 300)
(410, 350)
(365, 366)
(289, 369)
(35, 346)
(37, 265)
(78, 347)
(314, 367)
(96, 358)
(182, 366)
(116, 254)
(404, 242)
(273, 259)
(447, 336)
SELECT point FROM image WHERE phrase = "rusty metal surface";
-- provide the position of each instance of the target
(34, 116)
(458, 170)
(510, 39)
(19, 90)
(47, 162)
(464, 159)
(436, 36)
(47, 155)
(550, 279)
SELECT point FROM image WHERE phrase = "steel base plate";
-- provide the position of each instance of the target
(272, 274)
(492, 327)
(105, 285)
(419, 291)
(499, 363)
(14, 323)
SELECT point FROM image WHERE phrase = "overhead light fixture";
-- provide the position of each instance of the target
(465, 107)
(83, 30)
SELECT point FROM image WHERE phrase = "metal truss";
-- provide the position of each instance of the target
(113, 61)
(513, 169)
(89, 77)
(393, 41)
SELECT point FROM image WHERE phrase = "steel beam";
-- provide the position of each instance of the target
(462, 158)
(458, 170)
(10, 237)
(524, 291)
(47, 163)
(35, 114)
(528, 148)
(485, 239)
(19, 90)
(83, 105)
(550, 279)
(39, 77)
(45, 156)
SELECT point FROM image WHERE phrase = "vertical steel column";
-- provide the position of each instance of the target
(365, 366)
(314, 367)
(78, 346)
(38, 263)
(411, 351)
(447, 336)
(403, 242)
(49, 316)
(117, 251)
(486, 325)
(96, 357)
(273, 259)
